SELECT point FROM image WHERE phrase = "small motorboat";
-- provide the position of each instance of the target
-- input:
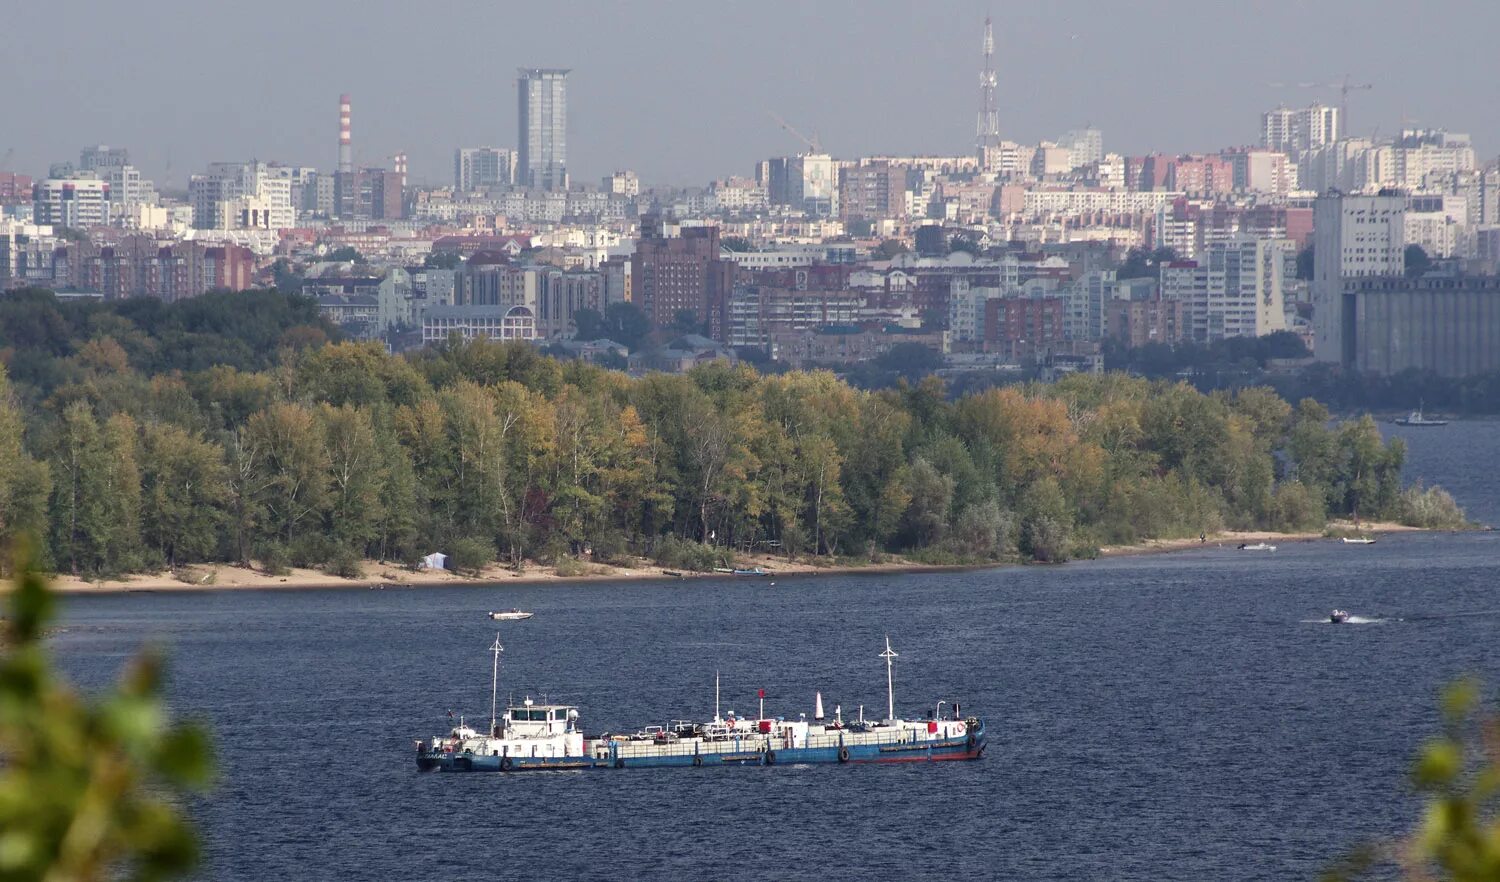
(750, 571)
(1357, 540)
(514, 615)
(1338, 616)
(1259, 546)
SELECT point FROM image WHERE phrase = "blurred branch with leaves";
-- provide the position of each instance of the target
(90, 789)
(1458, 772)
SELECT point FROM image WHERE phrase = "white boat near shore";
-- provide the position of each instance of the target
(1357, 540)
(1259, 546)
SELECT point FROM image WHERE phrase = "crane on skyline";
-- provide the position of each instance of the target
(812, 143)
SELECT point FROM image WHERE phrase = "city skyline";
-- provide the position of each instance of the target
(703, 110)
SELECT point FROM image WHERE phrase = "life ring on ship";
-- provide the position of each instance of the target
(843, 754)
(770, 757)
(505, 764)
(960, 728)
(619, 763)
(697, 760)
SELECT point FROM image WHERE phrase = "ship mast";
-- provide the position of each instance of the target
(495, 681)
(890, 682)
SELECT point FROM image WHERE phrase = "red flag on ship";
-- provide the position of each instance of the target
(762, 693)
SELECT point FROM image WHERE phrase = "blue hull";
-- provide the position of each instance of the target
(745, 752)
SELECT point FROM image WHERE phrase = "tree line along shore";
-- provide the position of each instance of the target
(235, 428)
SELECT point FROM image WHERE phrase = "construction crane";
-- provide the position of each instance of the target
(1344, 89)
(812, 143)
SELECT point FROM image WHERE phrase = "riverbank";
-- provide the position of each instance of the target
(380, 576)
(1233, 538)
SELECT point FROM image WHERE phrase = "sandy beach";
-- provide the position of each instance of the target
(224, 577)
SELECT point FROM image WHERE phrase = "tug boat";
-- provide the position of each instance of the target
(1416, 418)
(536, 737)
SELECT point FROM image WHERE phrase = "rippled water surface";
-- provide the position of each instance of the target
(1186, 716)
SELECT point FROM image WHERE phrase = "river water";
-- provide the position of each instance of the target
(1186, 716)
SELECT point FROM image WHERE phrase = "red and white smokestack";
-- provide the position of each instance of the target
(346, 147)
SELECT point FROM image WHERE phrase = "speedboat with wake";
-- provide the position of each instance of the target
(1259, 546)
(1338, 617)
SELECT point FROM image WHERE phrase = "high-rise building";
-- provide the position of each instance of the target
(14, 188)
(1353, 236)
(542, 106)
(76, 201)
(808, 181)
(1291, 130)
(1085, 146)
(236, 195)
(873, 191)
(1234, 288)
(126, 187)
(681, 274)
(101, 157)
(477, 168)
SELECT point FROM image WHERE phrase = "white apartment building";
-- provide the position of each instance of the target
(1440, 224)
(477, 168)
(966, 304)
(622, 183)
(126, 188)
(223, 197)
(1068, 202)
(1262, 171)
(79, 200)
(1292, 131)
(1352, 236)
(1085, 146)
(1234, 289)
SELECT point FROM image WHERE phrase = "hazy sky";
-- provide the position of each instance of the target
(682, 91)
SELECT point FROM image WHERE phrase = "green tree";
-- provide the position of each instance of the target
(626, 324)
(356, 474)
(89, 789)
(345, 254)
(288, 464)
(1305, 263)
(588, 325)
(1416, 260)
(25, 483)
(184, 485)
(96, 499)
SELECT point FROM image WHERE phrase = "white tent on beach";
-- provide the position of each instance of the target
(435, 561)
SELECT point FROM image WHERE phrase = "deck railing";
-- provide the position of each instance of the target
(756, 743)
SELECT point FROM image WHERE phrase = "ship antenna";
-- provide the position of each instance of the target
(890, 682)
(716, 696)
(495, 681)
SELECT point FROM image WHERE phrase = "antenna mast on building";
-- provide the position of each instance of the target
(988, 129)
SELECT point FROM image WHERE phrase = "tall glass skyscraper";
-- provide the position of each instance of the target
(542, 102)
